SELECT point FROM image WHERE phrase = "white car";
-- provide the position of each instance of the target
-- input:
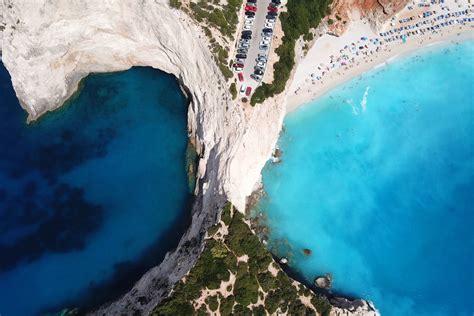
(264, 42)
(269, 25)
(261, 64)
(248, 22)
(267, 21)
(242, 90)
(247, 27)
(267, 38)
(264, 47)
(244, 45)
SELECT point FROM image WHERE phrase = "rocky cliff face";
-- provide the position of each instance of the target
(375, 11)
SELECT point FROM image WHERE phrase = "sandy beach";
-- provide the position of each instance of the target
(333, 60)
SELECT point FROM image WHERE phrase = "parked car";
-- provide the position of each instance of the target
(250, 8)
(240, 61)
(269, 25)
(242, 51)
(258, 72)
(238, 67)
(256, 77)
(241, 56)
(242, 90)
(243, 45)
(272, 9)
(247, 37)
(270, 18)
(264, 43)
(261, 57)
(257, 69)
(263, 47)
(272, 14)
(261, 64)
(247, 27)
(244, 41)
(248, 13)
(248, 91)
(252, 1)
(241, 76)
(267, 30)
(266, 38)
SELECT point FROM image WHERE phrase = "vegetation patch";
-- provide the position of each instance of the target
(223, 19)
(231, 275)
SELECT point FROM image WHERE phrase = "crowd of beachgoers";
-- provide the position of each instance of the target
(428, 22)
(419, 21)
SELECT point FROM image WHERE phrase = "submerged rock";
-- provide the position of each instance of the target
(283, 260)
(307, 252)
(323, 282)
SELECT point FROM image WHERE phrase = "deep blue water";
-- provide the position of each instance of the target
(377, 179)
(91, 195)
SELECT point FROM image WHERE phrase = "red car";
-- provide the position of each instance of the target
(241, 76)
(248, 91)
(250, 8)
(272, 9)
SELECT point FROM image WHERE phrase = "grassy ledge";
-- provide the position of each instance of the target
(235, 274)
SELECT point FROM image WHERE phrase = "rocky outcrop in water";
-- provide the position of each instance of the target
(323, 282)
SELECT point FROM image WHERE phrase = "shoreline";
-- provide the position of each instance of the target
(305, 89)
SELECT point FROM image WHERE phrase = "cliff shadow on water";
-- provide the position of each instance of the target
(91, 195)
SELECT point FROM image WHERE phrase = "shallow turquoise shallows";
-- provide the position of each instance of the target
(377, 180)
(92, 195)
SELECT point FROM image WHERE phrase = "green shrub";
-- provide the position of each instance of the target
(246, 289)
(241, 310)
(267, 281)
(213, 229)
(322, 305)
(233, 90)
(212, 302)
(219, 251)
(227, 305)
(175, 4)
(226, 71)
(226, 214)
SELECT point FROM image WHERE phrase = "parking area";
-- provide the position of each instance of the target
(254, 44)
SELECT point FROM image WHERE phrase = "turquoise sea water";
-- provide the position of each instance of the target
(377, 180)
(92, 195)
